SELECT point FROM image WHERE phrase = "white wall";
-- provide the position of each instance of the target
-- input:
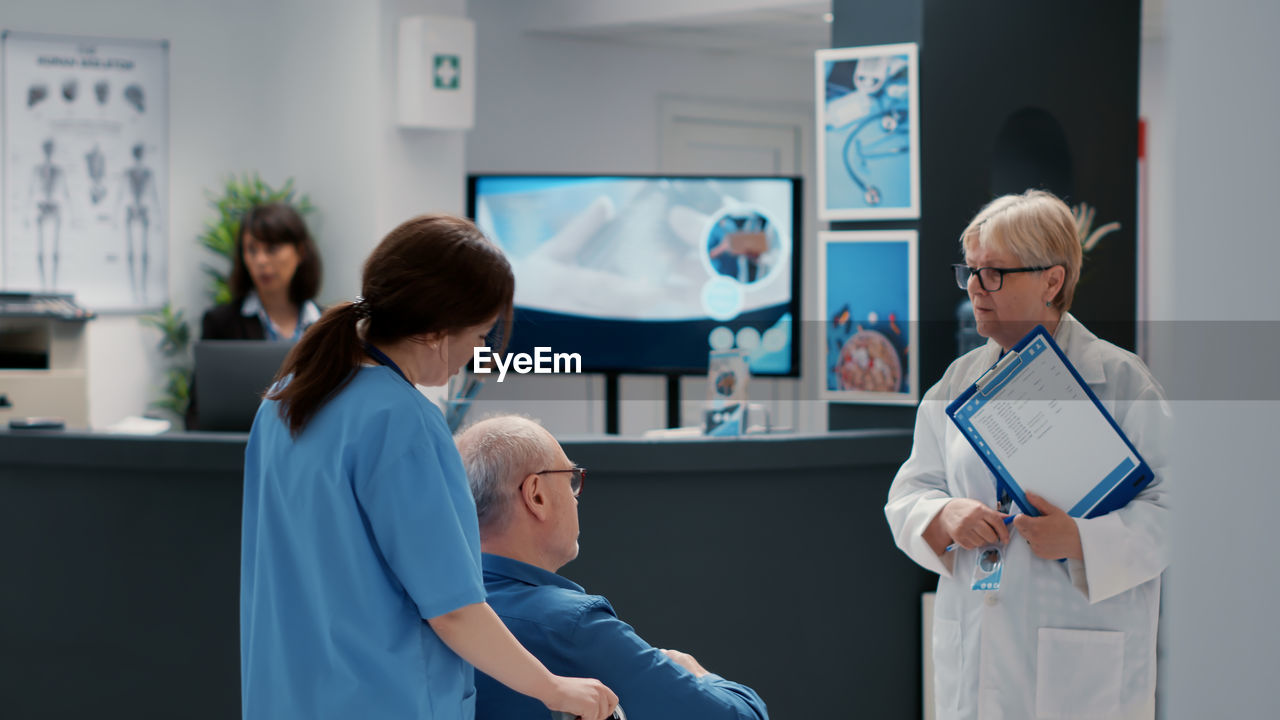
(1222, 152)
(1154, 107)
(551, 103)
(561, 14)
(418, 171)
(290, 88)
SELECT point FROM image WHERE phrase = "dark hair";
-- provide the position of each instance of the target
(432, 274)
(275, 224)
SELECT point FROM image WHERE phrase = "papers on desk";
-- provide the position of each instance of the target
(134, 425)
(1039, 427)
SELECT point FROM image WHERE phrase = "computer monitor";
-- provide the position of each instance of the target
(232, 376)
(647, 274)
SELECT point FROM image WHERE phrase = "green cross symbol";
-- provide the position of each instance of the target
(447, 72)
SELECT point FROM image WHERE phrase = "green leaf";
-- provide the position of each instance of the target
(175, 333)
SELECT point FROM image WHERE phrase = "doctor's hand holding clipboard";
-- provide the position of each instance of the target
(1028, 416)
(1053, 535)
(1049, 537)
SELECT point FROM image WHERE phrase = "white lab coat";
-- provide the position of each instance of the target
(1058, 639)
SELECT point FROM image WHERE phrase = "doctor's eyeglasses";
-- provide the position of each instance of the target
(576, 481)
(990, 278)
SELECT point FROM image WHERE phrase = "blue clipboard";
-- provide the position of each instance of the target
(1034, 354)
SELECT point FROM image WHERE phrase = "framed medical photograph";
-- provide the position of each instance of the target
(868, 133)
(867, 297)
(85, 132)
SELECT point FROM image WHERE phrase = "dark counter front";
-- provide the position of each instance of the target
(121, 562)
(766, 558)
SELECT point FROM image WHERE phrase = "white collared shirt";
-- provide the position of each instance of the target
(308, 314)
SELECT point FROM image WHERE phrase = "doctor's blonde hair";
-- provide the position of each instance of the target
(1035, 227)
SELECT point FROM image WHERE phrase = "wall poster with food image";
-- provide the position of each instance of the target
(867, 295)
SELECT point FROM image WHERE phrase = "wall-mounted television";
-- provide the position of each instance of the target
(647, 274)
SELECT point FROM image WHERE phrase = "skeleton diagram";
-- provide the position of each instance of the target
(96, 166)
(50, 195)
(140, 197)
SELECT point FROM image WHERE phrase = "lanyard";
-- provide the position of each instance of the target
(382, 359)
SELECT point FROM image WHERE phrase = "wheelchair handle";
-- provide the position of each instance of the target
(617, 715)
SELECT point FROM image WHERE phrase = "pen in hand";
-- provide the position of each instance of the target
(1007, 519)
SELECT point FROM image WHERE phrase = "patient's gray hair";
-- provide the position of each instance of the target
(496, 453)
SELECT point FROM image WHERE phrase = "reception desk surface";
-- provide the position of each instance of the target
(766, 557)
(223, 452)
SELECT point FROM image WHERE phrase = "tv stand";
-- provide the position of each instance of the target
(611, 401)
(673, 400)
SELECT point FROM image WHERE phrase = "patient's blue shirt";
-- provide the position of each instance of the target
(579, 635)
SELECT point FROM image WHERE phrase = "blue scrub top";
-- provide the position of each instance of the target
(353, 533)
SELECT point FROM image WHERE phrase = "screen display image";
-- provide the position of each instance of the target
(649, 274)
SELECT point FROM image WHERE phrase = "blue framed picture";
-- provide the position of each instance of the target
(868, 133)
(867, 295)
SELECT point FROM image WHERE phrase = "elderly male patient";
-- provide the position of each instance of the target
(526, 492)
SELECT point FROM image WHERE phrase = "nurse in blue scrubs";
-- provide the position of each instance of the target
(361, 593)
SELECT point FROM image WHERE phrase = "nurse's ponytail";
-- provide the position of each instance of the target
(432, 274)
(320, 364)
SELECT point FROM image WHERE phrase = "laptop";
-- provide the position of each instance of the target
(231, 377)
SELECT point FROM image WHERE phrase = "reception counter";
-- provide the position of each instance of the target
(767, 558)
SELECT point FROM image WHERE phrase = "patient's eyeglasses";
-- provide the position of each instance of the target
(576, 481)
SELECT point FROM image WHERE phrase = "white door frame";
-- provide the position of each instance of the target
(672, 110)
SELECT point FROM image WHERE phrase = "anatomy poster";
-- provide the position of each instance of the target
(86, 169)
(868, 133)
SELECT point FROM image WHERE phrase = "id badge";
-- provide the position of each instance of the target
(987, 566)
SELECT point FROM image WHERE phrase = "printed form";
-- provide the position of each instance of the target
(1045, 433)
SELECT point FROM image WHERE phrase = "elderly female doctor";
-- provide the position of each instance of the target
(1069, 639)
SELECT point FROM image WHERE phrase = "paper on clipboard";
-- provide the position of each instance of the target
(1039, 428)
